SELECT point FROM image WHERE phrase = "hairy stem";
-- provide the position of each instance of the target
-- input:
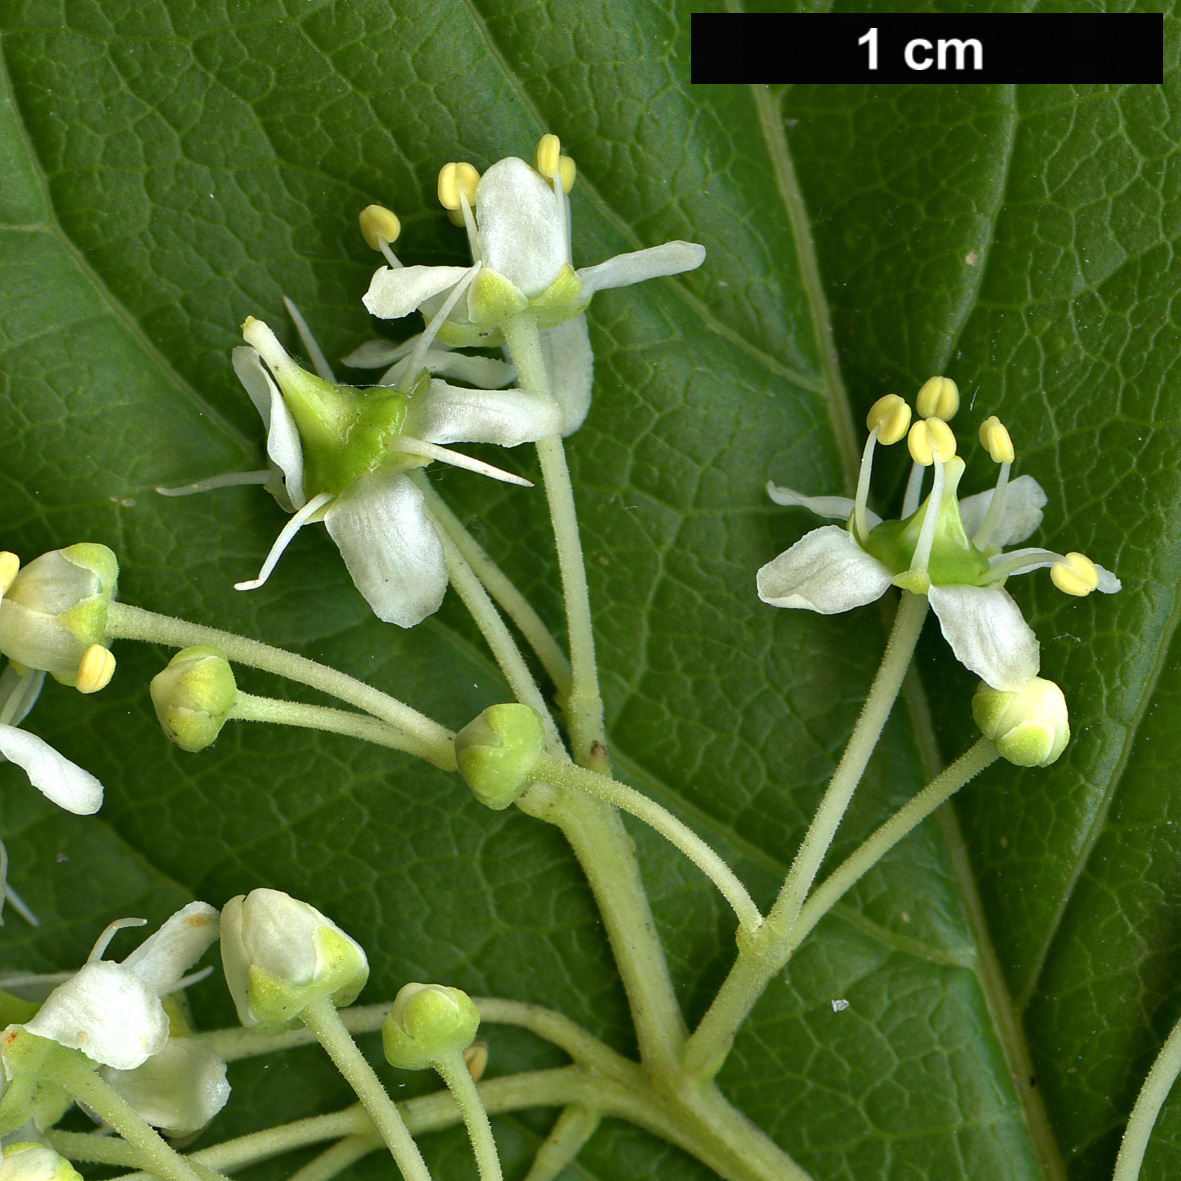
(454, 1073)
(1148, 1104)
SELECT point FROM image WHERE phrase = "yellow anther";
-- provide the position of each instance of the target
(10, 566)
(891, 415)
(547, 155)
(938, 397)
(928, 438)
(95, 669)
(378, 225)
(455, 179)
(995, 439)
(566, 171)
(1075, 575)
(475, 1058)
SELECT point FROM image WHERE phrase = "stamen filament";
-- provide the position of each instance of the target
(996, 506)
(229, 480)
(284, 539)
(426, 339)
(96, 952)
(315, 353)
(922, 551)
(914, 490)
(860, 526)
(411, 446)
(469, 224)
(20, 906)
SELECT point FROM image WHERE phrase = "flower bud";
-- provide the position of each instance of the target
(193, 696)
(28, 1161)
(497, 752)
(1030, 726)
(56, 609)
(428, 1022)
(281, 954)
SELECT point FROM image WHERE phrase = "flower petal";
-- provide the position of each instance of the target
(181, 1088)
(570, 365)
(396, 293)
(521, 230)
(164, 957)
(486, 373)
(988, 634)
(825, 571)
(284, 448)
(390, 546)
(1022, 514)
(19, 693)
(838, 507)
(450, 414)
(624, 269)
(52, 774)
(108, 1013)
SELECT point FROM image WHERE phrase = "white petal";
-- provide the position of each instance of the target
(484, 372)
(374, 354)
(284, 448)
(396, 293)
(570, 365)
(108, 1013)
(52, 774)
(449, 414)
(522, 234)
(838, 507)
(391, 548)
(163, 958)
(624, 269)
(825, 571)
(1022, 514)
(19, 693)
(181, 1088)
(988, 634)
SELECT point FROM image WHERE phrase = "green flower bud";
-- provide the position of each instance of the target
(35, 1162)
(281, 954)
(56, 609)
(497, 752)
(1029, 726)
(427, 1022)
(193, 696)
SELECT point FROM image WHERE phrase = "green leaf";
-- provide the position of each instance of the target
(169, 168)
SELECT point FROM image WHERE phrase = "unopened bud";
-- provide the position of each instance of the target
(193, 696)
(497, 752)
(1030, 725)
(281, 954)
(994, 436)
(1075, 575)
(28, 1161)
(891, 415)
(928, 438)
(428, 1022)
(378, 225)
(938, 397)
(55, 609)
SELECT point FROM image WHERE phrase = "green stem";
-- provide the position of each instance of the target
(575, 1126)
(981, 754)
(79, 1077)
(607, 855)
(1148, 1104)
(249, 708)
(503, 591)
(584, 708)
(454, 1073)
(562, 774)
(760, 958)
(323, 1020)
(333, 1161)
(126, 622)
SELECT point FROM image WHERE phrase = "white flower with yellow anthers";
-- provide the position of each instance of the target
(343, 455)
(518, 224)
(947, 549)
(113, 1012)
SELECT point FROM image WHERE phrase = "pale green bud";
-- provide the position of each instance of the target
(497, 752)
(28, 1161)
(56, 609)
(428, 1022)
(193, 696)
(281, 954)
(1029, 726)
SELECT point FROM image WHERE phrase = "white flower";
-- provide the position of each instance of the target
(519, 234)
(112, 1012)
(950, 552)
